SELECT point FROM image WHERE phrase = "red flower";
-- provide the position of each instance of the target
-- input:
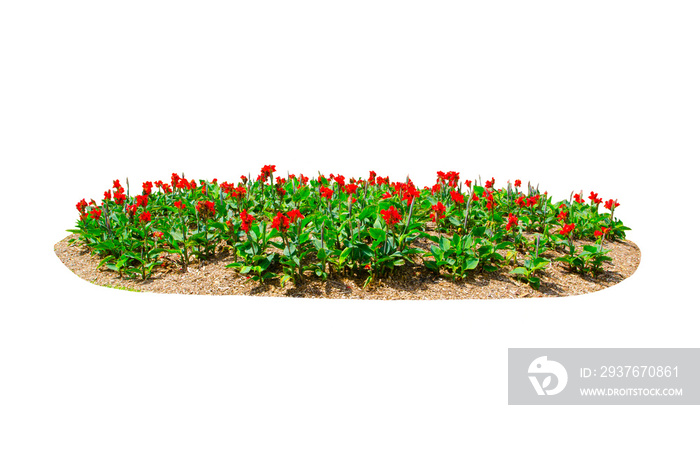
(131, 209)
(578, 198)
(145, 216)
(439, 213)
(82, 204)
(457, 197)
(521, 201)
(372, 177)
(410, 193)
(610, 204)
(268, 170)
(512, 221)
(238, 192)
(280, 223)
(594, 198)
(116, 185)
(386, 195)
(205, 208)
(340, 180)
(158, 234)
(179, 205)
(489, 183)
(435, 188)
(468, 183)
(119, 197)
(350, 188)
(490, 201)
(246, 220)
(294, 215)
(326, 192)
(567, 228)
(533, 200)
(303, 179)
(562, 215)
(451, 178)
(147, 187)
(601, 232)
(391, 216)
(108, 194)
(517, 183)
(95, 213)
(141, 200)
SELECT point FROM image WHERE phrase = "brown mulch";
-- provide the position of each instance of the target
(409, 282)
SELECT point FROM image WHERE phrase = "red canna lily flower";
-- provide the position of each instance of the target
(267, 171)
(246, 220)
(205, 208)
(294, 215)
(601, 232)
(82, 204)
(567, 228)
(594, 198)
(610, 204)
(326, 192)
(145, 217)
(512, 221)
(119, 197)
(517, 183)
(142, 200)
(158, 234)
(280, 223)
(147, 188)
(457, 197)
(489, 183)
(95, 213)
(578, 198)
(439, 213)
(179, 205)
(391, 216)
(350, 188)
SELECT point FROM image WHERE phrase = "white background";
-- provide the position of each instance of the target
(598, 95)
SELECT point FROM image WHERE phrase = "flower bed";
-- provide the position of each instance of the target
(294, 229)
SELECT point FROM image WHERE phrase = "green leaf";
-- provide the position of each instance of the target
(432, 265)
(444, 243)
(377, 234)
(470, 263)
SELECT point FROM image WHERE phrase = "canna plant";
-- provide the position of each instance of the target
(292, 227)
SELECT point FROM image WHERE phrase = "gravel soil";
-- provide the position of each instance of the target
(409, 282)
